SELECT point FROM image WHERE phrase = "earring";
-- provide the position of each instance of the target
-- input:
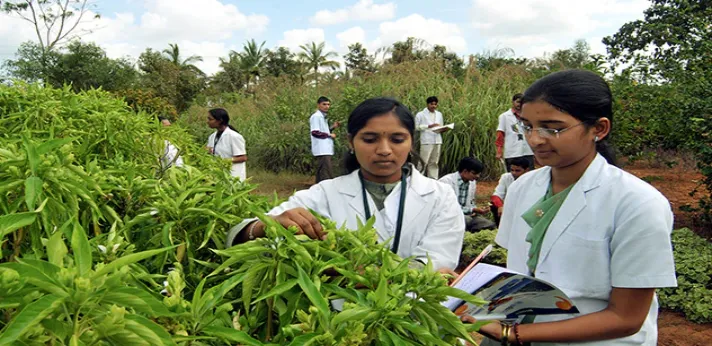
(351, 151)
(595, 139)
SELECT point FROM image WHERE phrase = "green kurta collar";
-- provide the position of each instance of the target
(539, 217)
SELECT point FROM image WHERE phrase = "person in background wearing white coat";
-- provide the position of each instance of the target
(419, 216)
(430, 142)
(581, 223)
(170, 157)
(225, 142)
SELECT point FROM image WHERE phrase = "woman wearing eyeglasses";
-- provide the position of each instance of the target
(597, 232)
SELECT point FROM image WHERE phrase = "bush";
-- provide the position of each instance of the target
(147, 101)
(474, 243)
(693, 264)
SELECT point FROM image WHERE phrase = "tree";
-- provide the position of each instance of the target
(173, 55)
(55, 22)
(179, 84)
(671, 48)
(450, 61)
(411, 49)
(252, 60)
(84, 65)
(315, 57)
(358, 61)
(281, 62)
(231, 77)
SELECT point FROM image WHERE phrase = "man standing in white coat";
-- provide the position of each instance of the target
(430, 142)
(322, 140)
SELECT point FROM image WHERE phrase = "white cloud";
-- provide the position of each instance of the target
(433, 31)
(532, 27)
(294, 38)
(198, 29)
(364, 10)
(350, 36)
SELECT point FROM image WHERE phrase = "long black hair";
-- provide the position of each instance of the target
(372, 108)
(582, 94)
(220, 114)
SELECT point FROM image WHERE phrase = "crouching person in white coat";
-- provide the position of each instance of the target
(595, 231)
(419, 216)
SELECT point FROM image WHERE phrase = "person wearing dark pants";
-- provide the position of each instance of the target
(322, 140)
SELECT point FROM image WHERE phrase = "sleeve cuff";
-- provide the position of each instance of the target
(655, 281)
(233, 232)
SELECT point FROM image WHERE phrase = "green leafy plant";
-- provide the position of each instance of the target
(693, 264)
(68, 299)
(474, 243)
(288, 281)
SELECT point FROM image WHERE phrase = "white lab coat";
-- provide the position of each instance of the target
(170, 156)
(432, 223)
(453, 180)
(613, 230)
(229, 145)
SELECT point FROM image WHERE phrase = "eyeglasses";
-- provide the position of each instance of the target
(546, 133)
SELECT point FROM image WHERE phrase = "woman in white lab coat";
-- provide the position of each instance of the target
(595, 231)
(226, 143)
(421, 220)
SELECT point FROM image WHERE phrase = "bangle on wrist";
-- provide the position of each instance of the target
(504, 341)
(250, 231)
(515, 328)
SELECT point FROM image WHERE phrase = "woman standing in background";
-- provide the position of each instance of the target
(225, 142)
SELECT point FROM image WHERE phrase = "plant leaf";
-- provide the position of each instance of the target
(50, 145)
(279, 289)
(129, 259)
(148, 330)
(81, 249)
(56, 249)
(233, 335)
(13, 222)
(136, 298)
(33, 158)
(30, 316)
(33, 188)
(312, 292)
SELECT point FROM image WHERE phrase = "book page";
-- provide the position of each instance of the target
(474, 279)
(444, 128)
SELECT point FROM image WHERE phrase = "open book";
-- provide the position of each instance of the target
(510, 295)
(443, 128)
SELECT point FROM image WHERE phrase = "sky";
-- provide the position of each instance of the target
(211, 28)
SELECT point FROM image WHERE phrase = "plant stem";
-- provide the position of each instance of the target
(18, 242)
(270, 303)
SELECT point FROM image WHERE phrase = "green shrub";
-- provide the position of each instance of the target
(693, 264)
(474, 243)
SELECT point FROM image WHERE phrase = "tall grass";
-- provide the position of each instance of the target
(275, 121)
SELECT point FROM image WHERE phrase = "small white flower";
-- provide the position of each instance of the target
(165, 283)
(116, 247)
(154, 211)
(102, 248)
